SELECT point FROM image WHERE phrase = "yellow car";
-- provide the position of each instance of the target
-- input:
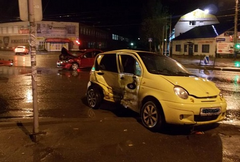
(157, 87)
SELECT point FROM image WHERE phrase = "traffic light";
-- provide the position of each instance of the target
(237, 63)
(237, 46)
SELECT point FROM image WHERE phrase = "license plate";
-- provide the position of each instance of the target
(210, 111)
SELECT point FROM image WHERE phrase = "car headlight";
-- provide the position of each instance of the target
(221, 95)
(181, 92)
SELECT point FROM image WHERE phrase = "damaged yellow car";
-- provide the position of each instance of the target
(157, 87)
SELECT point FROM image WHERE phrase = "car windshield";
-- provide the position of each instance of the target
(159, 64)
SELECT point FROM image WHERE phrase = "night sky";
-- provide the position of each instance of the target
(120, 16)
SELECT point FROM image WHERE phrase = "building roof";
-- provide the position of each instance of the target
(206, 31)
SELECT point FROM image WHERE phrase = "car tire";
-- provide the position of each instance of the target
(74, 66)
(152, 115)
(94, 97)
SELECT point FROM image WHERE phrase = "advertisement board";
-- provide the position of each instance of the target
(225, 48)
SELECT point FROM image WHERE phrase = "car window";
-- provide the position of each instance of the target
(106, 62)
(130, 65)
(95, 53)
(88, 55)
(159, 64)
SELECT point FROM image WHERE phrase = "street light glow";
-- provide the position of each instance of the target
(206, 11)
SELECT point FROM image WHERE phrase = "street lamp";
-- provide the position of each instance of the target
(235, 29)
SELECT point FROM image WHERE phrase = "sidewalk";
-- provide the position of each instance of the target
(224, 64)
(108, 140)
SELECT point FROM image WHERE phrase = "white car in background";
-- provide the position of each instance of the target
(21, 50)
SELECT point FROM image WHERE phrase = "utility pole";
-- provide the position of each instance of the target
(236, 29)
(31, 11)
(32, 44)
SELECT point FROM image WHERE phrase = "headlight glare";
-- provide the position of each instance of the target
(181, 92)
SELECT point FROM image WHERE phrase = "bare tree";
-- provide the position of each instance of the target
(155, 24)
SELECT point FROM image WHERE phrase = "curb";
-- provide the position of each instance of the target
(211, 68)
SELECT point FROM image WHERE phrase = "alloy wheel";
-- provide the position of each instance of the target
(150, 115)
(92, 98)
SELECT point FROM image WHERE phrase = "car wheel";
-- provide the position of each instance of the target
(152, 115)
(94, 97)
(75, 66)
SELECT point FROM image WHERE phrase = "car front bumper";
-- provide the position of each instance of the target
(189, 114)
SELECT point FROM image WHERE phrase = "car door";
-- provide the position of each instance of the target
(130, 78)
(89, 58)
(86, 60)
(106, 74)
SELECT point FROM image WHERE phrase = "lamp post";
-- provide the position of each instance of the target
(236, 29)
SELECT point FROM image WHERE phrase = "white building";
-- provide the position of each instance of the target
(193, 19)
(50, 35)
(200, 33)
(205, 40)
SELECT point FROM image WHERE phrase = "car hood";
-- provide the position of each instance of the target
(195, 86)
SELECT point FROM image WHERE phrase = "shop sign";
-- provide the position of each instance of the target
(220, 39)
(23, 31)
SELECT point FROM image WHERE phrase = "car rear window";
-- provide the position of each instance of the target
(106, 62)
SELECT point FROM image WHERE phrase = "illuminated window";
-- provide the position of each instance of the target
(114, 37)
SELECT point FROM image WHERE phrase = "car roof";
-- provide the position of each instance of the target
(88, 50)
(126, 50)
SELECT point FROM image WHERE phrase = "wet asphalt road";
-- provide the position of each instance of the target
(61, 94)
(60, 89)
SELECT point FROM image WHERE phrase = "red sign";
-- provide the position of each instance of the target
(23, 31)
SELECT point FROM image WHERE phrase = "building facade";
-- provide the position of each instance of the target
(53, 35)
(200, 33)
(50, 35)
(211, 40)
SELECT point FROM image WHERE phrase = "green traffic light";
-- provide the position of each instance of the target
(237, 46)
(237, 63)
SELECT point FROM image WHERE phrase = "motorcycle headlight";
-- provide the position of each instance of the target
(181, 92)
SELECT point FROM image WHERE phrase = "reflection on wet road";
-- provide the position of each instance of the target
(60, 92)
(229, 83)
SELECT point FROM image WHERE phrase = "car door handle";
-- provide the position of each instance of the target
(100, 73)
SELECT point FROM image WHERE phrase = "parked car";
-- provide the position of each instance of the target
(157, 87)
(6, 62)
(21, 50)
(80, 59)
